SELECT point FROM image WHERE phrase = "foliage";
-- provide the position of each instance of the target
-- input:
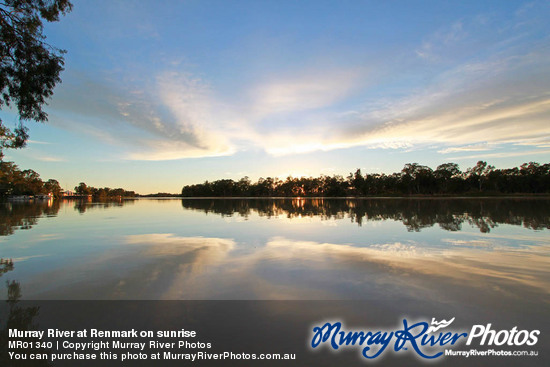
(102, 193)
(29, 67)
(52, 186)
(14, 181)
(414, 179)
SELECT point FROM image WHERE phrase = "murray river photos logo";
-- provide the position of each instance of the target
(426, 340)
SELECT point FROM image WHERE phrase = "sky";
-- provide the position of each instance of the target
(160, 94)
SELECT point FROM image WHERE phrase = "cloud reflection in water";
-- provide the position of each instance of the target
(166, 266)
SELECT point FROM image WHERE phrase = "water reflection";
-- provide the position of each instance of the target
(82, 206)
(5, 266)
(167, 266)
(150, 266)
(383, 269)
(154, 250)
(280, 249)
(415, 214)
(17, 317)
(24, 215)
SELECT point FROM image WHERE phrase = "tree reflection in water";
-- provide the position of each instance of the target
(83, 205)
(25, 215)
(415, 214)
(18, 317)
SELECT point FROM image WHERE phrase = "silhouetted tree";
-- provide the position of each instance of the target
(358, 183)
(13, 181)
(417, 178)
(82, 189)
(479, 174)
(29, 67)
(447, 176)
(52, 186)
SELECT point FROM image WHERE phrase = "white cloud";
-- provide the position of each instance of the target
(469, 105)
(472, 103)
(540, 142)
(434, 46)
(193, 130)
(37, 142)
(304, 92)
(45, 158)
(168, 118)
(160, 150)
(39, 155)
(505, 154)
(467, 148)
(205, 126)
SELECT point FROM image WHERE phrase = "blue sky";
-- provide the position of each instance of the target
(158, 94)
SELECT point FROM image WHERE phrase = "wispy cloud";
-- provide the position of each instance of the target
(45, 158)
(505, 154)
(466, 102)
(171, 119)
(303, 92)
(540, 142)
(39, 155)
(468, 148)
(38, 142)
(162, 150)
(190, 128)
(436, 44)
(472, 104)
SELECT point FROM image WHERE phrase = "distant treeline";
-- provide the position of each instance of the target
(413, 179)
(160, 195)
(102, 193)
(14, 182)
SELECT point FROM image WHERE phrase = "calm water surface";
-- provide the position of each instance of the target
(368, 263)
(487, 252)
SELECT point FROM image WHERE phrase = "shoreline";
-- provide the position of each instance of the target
(515, 196)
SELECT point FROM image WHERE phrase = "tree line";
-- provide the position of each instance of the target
(14, 182)
(413, 179)
(102, 193)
